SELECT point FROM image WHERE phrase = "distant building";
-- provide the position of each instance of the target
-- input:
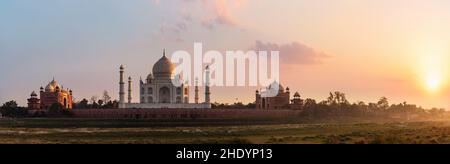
(158, 90)
(33, 102)
(278, 101)
(52, 94)
(297, 102)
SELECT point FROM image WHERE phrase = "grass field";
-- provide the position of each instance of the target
(75, 131)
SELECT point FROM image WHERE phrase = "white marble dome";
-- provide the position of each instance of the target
(163, 68)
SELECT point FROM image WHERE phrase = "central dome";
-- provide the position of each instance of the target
(163, 68)
(51, 87)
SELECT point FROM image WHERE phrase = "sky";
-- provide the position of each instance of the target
(364, 48)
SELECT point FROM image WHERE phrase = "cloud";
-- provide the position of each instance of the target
(177, 28)
(172, 31)
(156, 2)
(223, 15)
(211, 15)
(293, 53)
(220, 12)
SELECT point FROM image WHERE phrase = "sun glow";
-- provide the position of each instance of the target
(433, 82)
(433, 69)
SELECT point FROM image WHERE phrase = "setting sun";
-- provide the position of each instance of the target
(433, 82)
(432, 67)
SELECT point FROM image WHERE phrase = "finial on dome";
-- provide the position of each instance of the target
(164, 52)
(33, 94)
(297, 94)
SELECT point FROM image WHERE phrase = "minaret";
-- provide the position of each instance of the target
(129, 90)
(258, 100)
(207, 92)
(288, 92)
(141, 90)
(196, 90)
(121, 88)
(186, 84)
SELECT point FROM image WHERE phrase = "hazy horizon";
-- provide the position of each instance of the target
(367, 49)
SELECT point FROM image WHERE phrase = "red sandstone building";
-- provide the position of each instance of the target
(279, 100)
(52, 94)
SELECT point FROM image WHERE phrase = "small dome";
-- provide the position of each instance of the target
(297, 94)
(33, 94)
(150, 76)
(163, 68)
(280, 87)
(49, 88)
(52, 86)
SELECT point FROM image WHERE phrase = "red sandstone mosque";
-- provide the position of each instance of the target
(52, 94)
(278, 101)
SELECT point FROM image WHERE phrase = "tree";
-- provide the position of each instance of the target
(337, 98)
(106, 97)
(361, 103)
(10, 104)
(94, 99)
(12, 109)
(95, 105)
(115, 104)
(83, 104)
(331, 99)
(251, 106)
(310, 104)
(340, 98)
(100, 103)
(383, 103)
(109, 105)
(57, 109)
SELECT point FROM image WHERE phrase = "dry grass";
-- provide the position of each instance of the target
(69, 131)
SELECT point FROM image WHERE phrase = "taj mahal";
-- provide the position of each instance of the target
(158, 91)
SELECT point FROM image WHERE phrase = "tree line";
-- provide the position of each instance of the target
(95, 103)
(335, 106)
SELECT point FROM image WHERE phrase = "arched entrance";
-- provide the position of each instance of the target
(164, 95)
(150, 99)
